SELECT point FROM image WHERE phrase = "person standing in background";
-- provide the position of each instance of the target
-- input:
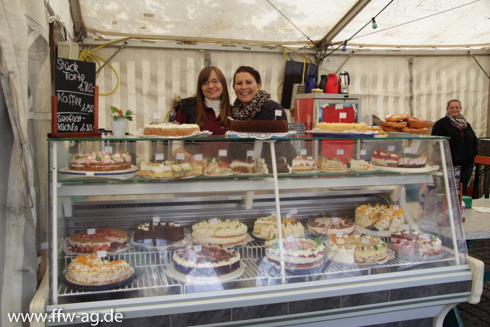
(463, 143)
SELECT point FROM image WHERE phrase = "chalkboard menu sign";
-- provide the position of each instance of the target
(75, 103)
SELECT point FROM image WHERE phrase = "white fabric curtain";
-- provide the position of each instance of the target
(23, 42)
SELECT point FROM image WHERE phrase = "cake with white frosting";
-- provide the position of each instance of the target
(303, 164)
(299, 253)
(99, 161)
(356, 249)
(219, 232)
(327, 225)
(415, 244)
(89, 269)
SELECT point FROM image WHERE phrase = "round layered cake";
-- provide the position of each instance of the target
(206, 261)
(415, 244)
(103, 239)
(328, 225)
(356, 249)
(158, 234)
(219, 232)
(266, 228)
(99, 161)
(299, 253)
(88, 269)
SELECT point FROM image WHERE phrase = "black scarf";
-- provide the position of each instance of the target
(239, 112)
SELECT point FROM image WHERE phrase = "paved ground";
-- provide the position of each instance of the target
(476, 315)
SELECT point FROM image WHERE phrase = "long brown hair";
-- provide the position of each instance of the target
(225, 98)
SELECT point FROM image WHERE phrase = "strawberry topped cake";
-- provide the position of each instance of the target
(382, 158)
(99, 161)
(328, 225)
(102, 239)
(299, 253)
(415, 244)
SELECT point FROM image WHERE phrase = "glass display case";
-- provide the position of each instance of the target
(370, 224)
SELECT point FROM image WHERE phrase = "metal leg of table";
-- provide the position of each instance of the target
(476, 182)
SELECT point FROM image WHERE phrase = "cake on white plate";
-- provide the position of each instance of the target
(303, 164)
(89, 269)
(358, 249)
(206, 261)
(383, 218)
(360, 165)
(299, 253)
(328, 225)
(327, 164)
(219, 232)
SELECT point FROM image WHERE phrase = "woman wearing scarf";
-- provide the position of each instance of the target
(252, 103)
(463, 142)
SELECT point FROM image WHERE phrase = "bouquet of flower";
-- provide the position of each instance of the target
(117, 113)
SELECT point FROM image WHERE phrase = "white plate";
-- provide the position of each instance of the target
(140, 133)
(313, 171)
(118, 174)
(227, 173)
(125, 247)
(404, 134)
(173, 273)
(361, 170)
(259, 136)
(425, 169)
(333, 171)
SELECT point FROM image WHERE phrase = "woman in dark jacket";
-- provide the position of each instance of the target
(463, 142)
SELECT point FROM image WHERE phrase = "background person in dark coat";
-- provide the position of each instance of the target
(463, 142)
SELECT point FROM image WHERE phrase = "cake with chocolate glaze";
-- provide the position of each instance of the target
(259, 126)
(158, 234)
(206, 261)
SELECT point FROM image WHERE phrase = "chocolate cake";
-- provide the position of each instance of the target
(259, 126)
(264, 166)
(209, 261)
(158, 234)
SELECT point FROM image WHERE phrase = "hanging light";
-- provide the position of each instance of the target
(344, 47)
(375, 26)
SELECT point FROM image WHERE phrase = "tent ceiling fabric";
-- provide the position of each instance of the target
(414, 23)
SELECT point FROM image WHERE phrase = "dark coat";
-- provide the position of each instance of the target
(463, 151)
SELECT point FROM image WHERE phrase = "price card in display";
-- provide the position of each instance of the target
(156, 219)
(339, 234)
(406, 227)
(213, 221)
(303, 152)
(90, 231)
(288, 215)
(365, 240)
(407, 150)
(250, 153)
(180, 156)
(157, 115)
(363, 152)
(102, 254)
(108, 149)
(44, 245)
(279, 113)
(159, 156)
(273, 213)
(197, 248)
(396, 207)
(426, 236)
(342, 115)
(223, 153)
(198, 157)
(294, 211)
(339, 106)
(335, 219)
(340, 152)
(391, 148)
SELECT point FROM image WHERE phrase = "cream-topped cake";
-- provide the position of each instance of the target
(382, 217)
(335, 164)
(99, 161)
(359, 165)
(415, 244)
(328, 225)
(206, 261)
(299, 253)
(220, 232)
(100, 239)
(89, 269)
(356, 249)
(154, 170)
(303, 164)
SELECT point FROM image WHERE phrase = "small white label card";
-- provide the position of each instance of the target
(288, 215)
(156, 219)
(213, 221)
(339, 234)
(340, 152)
(198, 157)
(406, 227)
(157, 115)
(44, 245)
(102, 254)
(365, 240)
(159, 156)
(90, 231)
(197, 248)
(223, 153)
(279, 113)
(294, 211)
(342, 115)
(339, 106)
(303, 152)
(273, 213)
(180, 156)
(108, 149)
(335, 219)
(426, 236)
(407, 150)
(363, 152)
(396, 207)
(391, 148)
(250, 153)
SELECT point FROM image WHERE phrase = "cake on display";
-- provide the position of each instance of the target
(242, 167)
(220, 232)
(327, 164)
(158, 234)
(303, 164)
(259, 126)
(97, 239)
(342, 127)
(266, 228)
(181, 170)
(99, 161)
(415, 244)
(89, 269)
(214, 166)
(382, 158)
(299, 253)
(328, 225)
(171, 129)
(383, 218)
(412, 160)
(265, 166)
(356, 249)
(206, 261)
(360, 165)
(155, 170)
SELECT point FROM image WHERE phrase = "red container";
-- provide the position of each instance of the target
(332, 85)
